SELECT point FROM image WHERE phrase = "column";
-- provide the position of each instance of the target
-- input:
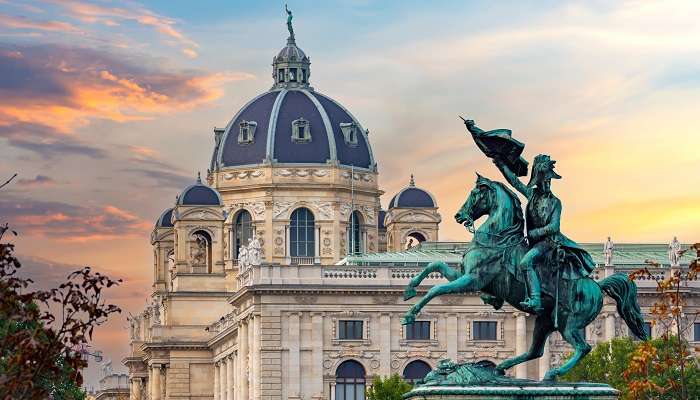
(293, 371)
(545, 360)
(385, 344)
(609, 326)
(520, 342)
(155, 385)
(255, 356)
(223, 383)
(317, 353)
(217, 383)
(236, 376)
(243, 360)
(136, 389)
(229, 377)
(452, 331)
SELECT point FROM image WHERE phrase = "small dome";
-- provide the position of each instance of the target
(199, 194)
(165, 219)
(412, 197)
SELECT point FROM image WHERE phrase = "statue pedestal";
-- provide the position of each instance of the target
(481, 381)
(541, 391)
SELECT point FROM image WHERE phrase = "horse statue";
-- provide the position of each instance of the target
(490, 266)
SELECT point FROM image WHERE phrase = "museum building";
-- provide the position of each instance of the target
(280, 276)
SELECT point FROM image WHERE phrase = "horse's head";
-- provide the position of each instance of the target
(478, 204)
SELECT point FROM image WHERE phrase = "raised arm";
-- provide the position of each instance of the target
(513, 179)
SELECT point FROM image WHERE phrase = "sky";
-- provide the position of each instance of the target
(107, 111)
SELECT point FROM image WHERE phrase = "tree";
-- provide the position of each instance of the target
(41, 331)
(614, 362)
(674, 353)
(390, 388)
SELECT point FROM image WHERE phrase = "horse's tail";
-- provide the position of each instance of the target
(624, 291)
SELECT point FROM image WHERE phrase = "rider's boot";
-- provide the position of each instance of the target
(534, 301)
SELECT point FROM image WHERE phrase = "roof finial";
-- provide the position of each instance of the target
(289, 22)
(199, 177)
(412, 183)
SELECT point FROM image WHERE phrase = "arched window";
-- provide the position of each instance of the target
(355, 233)
(350, 381)
(242, 231)
(200, 251)
(414, 239)
(415, 371)
(301, 234)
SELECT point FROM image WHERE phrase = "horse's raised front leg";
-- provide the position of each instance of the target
(437, 266)
(543, 327)
(465, 283)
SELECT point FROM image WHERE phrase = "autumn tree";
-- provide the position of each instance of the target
(41, 331)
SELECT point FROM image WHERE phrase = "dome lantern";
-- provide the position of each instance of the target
(291, 66)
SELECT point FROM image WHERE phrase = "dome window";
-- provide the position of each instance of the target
(303, 76)
(349, 130)
(301, 131)
(280, 75)
(292, 74)
(246, 132)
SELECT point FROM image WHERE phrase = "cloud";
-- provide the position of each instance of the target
(47, 91)
(21, 22)
(68, 222)
(109, 16)
(39, 180)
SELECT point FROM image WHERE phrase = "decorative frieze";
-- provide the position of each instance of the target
(301, 173)
(242, 175)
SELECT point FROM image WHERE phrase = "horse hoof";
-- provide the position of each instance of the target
(550, 376)
(408, 319)
(409, 293)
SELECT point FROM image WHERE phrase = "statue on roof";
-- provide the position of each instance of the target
(674, 252)
(608, 252)
(289, 22)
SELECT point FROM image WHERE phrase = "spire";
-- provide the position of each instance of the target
(290, 68)
(199, 177)
(412, 182)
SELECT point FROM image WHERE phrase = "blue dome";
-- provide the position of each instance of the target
(269, 122)
(165, 219)
(412, 197)
(199, 194)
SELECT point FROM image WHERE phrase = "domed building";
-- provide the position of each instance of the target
(280, 277)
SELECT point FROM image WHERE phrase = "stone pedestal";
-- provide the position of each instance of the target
(541, 391)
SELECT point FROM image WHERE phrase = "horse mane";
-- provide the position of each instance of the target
(519, 219)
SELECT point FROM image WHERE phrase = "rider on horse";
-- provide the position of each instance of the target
(547, 245)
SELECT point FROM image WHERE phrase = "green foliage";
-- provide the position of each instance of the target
(389, 388)
(609, 362)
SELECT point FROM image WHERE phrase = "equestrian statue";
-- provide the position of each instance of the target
(526, 260)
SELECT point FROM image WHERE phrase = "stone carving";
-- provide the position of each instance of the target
(250, 255)
(244, 174)
(280, 207)
(384, 300)
(257, 207)
(608, 252)
(199, 251)
(305, 299)
(156, 312)
(324, 208)
(134, 327)
(301, 173)
(345, 209)
(107, 369)
(243, 263)
(674, 252)
(357, 176)
(412, 217)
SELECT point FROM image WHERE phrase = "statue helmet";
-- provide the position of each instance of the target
(542, 168)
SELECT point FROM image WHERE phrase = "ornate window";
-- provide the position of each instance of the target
(484, 330)
(419, 330)
(243, 230)
(350, 131)
(301, 131)
(303, 75)
(280, 75)
(246, 131)
(696, 332)
(350, 329)
(354, 233)
(647, 329)
(350, 381)
(302, 236)
(292, 74)
(415, 371)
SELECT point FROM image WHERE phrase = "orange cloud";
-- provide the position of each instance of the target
(20, 22)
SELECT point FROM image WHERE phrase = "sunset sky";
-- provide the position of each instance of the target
(107, 110)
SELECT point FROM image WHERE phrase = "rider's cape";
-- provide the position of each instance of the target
(577, 262)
